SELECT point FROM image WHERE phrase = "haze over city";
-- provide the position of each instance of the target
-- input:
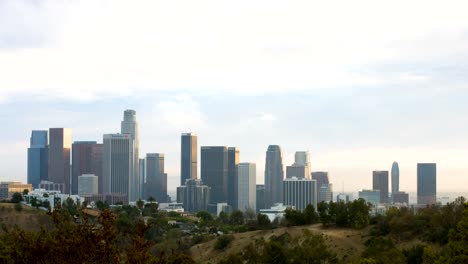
(358, 92)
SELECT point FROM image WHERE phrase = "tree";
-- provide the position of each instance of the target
(151, 199)
(263, 221)
(205, 216)
(16, 198)
(223, 242)
(324, 216)
(140, 204)
(310, 215)
(25, 191)
(45, 195)
(236, 218)
(458, 241)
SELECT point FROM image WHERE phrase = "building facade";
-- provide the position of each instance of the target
(156, 178)
(299, 193)
(88, 184)
(214, 172)
(7, 189)
(274, 175)
(427, 183)
(188, 157)
(325, 193)
(59, 156)
(395, 175)
(118, 158)
(233, 161)
(260, 197)
(321, 177)
(194, 195)
(129, 126)
(303, 158)
(38, 157)
(298, 171)
(380, 182)
(87, 158)
(246, 186)
(371, 196)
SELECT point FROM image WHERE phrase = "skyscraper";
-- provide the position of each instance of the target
(38, 158)
(380, 182)
(274, 174)
(142, 171)
(395, 178)
(233, 161)
(321, 177)
(303, 158)
(427, 183)
(214, 172)
(86, 159)
(118, 158)
(246, 186)
(300, 193)
(129, 126)
(297, 170)
(194, 195)
(188, 157)
(59, 156)
(156, 178)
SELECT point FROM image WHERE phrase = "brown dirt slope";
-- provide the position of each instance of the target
(28, 219)
(348, 244)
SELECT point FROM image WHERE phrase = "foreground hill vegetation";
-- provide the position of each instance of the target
(334, 233)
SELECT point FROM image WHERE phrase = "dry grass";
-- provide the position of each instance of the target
(28, 219)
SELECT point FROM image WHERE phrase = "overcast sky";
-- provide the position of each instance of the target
(359, 84)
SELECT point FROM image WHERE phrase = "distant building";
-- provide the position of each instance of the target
(276, 212)
(274, 175)
(7, 189)
(233, 161)
(110, 199)
(297, 171)
(129, 126)
(395, 178)
(142, 172)
(321, 177)
(401, 197)
(87, 158)
(325, 193)
(88, 184)
(380, 182)
(52, 186)
(38, 157)
(156, 178)
(118, 164)
(188, 157)
(299, 193)
(246, 176)
(214, 172)
(342, 197)
(59, 156)
(260, 197)
(303, 158)
(427, 183)
(194, 196)
(371, 196)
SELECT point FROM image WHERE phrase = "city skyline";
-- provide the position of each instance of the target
(357, 92)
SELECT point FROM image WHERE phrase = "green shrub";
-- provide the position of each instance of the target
(223, 242)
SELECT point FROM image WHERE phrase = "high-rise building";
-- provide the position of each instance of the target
(325, 193)
(401, 197)
(298, 171)
(87, 184)
(129, 126)
(321, 177)
(299, 193)
(246, 179)
(118, 158)
(233, 161)
(395, 178)
(59, 156)
(188, 157)
(194, 195)
(427, 183)
(380, 182)
(156, 178)
(260, 197)
(214, 172)
(87, 158)
(38, 158)
(303, 158)
(371, 196)
(142, 171)
(274, 175)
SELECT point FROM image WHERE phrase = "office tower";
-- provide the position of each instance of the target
(188, 157)
(246, 186)
(380, 182)
(87, 184)
(298, 171)
(274, 174)
(371, 196)
(325, 193)
(129, 126)
(321, 177)
(194, 195)
(142, 171)
(86, 159)
(38, 158)
(395, 178)
(118, 158)
(299, 193)
(59, 156)
(303, 158)
(233, 161)
(260, 197)
(427, 183)
(344, 197)
(214, 172)
(401, 197)
(156, 178)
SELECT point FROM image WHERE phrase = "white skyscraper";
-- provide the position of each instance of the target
(303, 158)
(246, 186)
(117, 163)
(129, 126)
(87, 184)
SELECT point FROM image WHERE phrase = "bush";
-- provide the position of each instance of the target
(223, 242)
(18, 207)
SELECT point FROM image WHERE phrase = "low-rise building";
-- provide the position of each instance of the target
(7, 189)
(276, 211)
(371, 196)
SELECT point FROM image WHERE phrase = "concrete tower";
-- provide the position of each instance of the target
(395, 178)
(118, 158)
(129, 126)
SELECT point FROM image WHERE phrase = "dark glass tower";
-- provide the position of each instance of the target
(427, 183)
(274, 175)
(38, 158)
(214, 172)
(87, 157)
(156, 178)
(188, 157)
(395, 178)
(59, 156)
(233, 161)
(380, 182)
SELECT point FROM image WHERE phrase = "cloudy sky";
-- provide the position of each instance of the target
(359, 84)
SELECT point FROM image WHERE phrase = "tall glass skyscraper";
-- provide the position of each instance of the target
(188, 157)
(129, 126)
(38, 157)
(118, 158)
(156, 178)
(214, 172)
(395, 178)
(427, 183)
(274, 175)
(59, 156)
(380, 182)
(233, 161)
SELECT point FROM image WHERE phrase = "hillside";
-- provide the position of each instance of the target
(347, 243)
(28, 219)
